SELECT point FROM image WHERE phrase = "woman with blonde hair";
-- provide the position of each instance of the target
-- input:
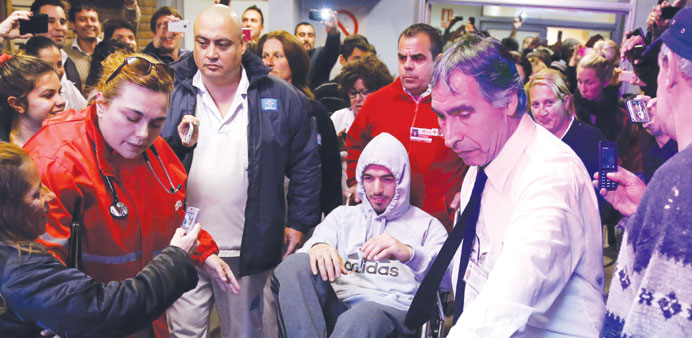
(596, 99)
(111, 171)
(552, 107)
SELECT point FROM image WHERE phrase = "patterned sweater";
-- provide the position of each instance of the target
(651, 291)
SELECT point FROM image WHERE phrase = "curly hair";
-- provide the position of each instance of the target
(370, 69)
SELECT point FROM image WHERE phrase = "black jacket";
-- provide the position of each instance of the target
(607, 112)
(282, 141)
(322, 59)
(330, 158)
(38, 292)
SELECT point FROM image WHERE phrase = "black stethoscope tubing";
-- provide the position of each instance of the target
(118, 209)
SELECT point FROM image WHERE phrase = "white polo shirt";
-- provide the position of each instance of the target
(218, 181)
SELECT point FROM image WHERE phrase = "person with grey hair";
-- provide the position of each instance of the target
(527, 250)
(252, 130)
(650, 293)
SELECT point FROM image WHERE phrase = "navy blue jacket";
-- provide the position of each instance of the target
(282, 141)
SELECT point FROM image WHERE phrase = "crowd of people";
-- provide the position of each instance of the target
(339, 207)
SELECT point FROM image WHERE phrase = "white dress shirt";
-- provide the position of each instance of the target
(536, 268)
(218, 181)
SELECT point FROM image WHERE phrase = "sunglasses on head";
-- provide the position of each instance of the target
(140, 66)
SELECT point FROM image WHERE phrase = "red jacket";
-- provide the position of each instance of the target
(436, 171)
(69, 151)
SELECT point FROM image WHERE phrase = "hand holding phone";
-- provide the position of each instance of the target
(607, 163)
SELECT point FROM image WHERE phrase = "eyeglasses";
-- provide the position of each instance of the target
(363, 93)
(140, 66)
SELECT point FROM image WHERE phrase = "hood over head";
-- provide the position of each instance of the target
(387, 151)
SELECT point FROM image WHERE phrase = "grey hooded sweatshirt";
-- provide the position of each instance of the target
(347, 228)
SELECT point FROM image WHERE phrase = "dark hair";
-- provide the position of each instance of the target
(78, 7)
(162, 11)
(370, 69)
(36, 6)
(354, 41)
(430, 31)
(17, 78)
(13, 188)
(296, 55)
(481, 58)
(304, 23)
(256, 9)
(511, 44)
(102, 50)
(111, 26)
(37, 43)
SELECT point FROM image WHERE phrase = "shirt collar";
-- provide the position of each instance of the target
(243, 85)
(76, 45)
(421, 97)
(499, 168)
(571, 122)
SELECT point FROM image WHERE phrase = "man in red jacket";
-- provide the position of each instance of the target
(403, 109)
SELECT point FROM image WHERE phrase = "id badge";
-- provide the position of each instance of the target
(475, 277)
(423, 134)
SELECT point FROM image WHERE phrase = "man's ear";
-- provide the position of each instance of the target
(671, 70)
(342, 61)
(243, 46)
(511, 107)
(16, 104)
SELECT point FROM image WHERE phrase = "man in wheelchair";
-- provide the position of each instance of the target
(357, 274)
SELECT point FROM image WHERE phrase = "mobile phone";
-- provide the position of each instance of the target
(521, 16)
(35, 25)
(180, 26)
(627, 76)
(638, 112)
(669, 12)
(635, 53)
(607, 163)
(191, 217)
(319, 14)
(247, 34)
(559, 36)
(636, 31)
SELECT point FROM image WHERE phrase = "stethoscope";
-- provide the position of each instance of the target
(118, 209)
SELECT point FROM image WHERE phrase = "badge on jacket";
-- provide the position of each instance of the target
(424, 134)
(270, 104)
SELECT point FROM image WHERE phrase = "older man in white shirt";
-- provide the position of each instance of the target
(532, 261)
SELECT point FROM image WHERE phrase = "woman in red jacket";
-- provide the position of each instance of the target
(66, 301)
(110, 169)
